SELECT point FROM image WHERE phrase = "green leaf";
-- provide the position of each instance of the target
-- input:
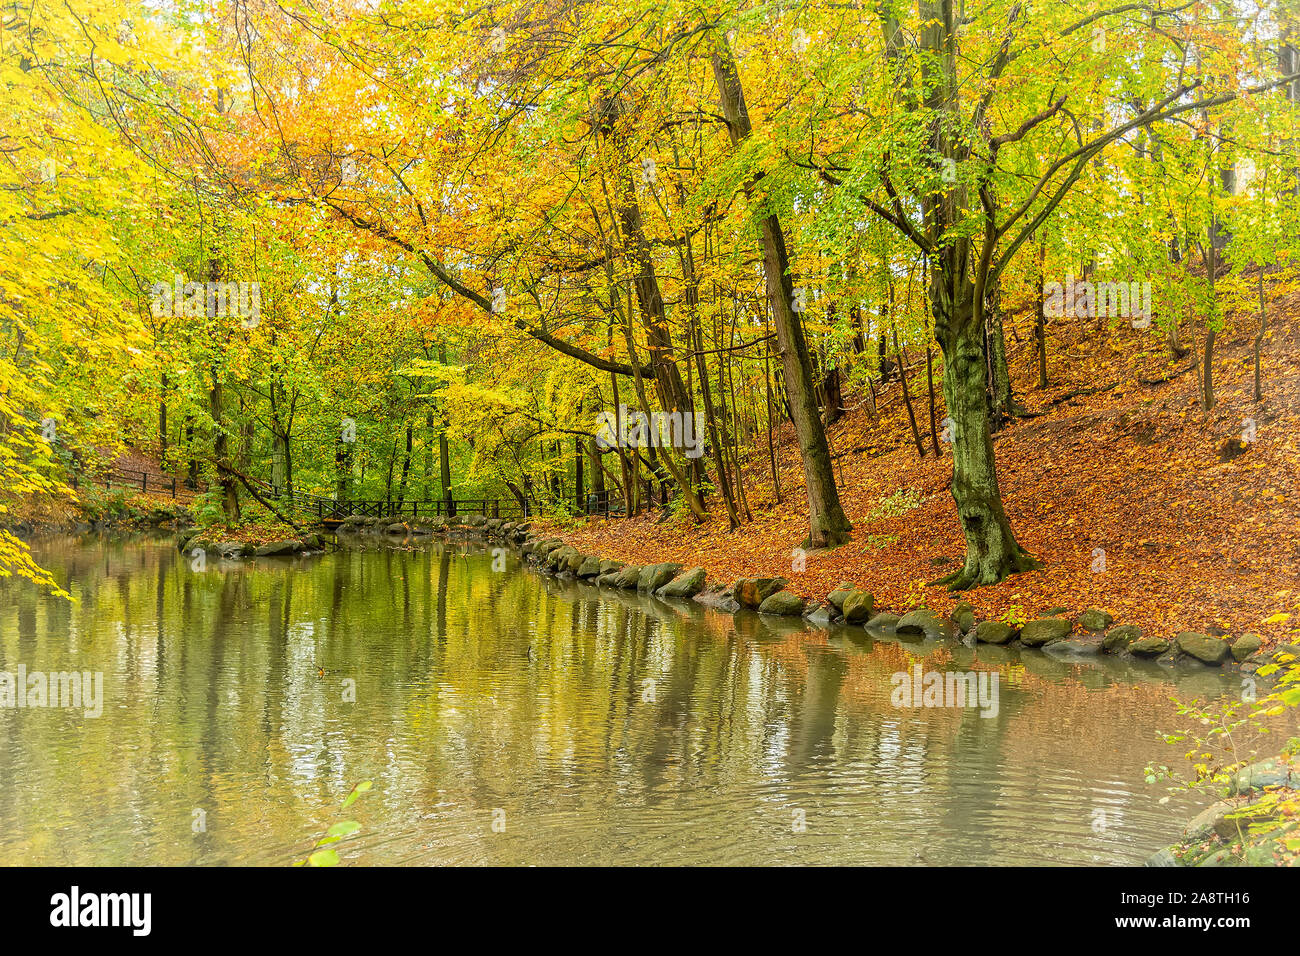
(343, 828)
(323, 858)
(357, 791)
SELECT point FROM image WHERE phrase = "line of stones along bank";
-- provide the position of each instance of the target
(1090, 632)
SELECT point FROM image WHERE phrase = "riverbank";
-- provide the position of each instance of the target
(1255, 825)
(1137, 502)
(1059, 631)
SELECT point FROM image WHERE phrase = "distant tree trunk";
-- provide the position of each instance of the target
(883, 362)
(1259, 336)
(221, 450)
(579, 479)
(342, 467)
(855, 320)
(688, 493)
(691, 280)
(1207, 355)
(834, 392)
(406, 467)
(444, 452)
(221, 437)
(907, 398)
(631, 482)
(192, 472)
(1040, 312)
(162, 420)
(771, 415)
(929, 381)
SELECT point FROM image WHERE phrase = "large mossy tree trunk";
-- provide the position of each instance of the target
(992, 552)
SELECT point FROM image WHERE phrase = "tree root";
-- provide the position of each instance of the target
(973, 576)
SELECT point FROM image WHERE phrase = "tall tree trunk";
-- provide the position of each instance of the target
(827, 524)
(710, 416)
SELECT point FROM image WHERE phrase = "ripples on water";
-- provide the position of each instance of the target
(603, 727)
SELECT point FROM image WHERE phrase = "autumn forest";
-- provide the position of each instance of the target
(939, 318)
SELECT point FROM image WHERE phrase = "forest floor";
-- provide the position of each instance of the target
(1190, 541)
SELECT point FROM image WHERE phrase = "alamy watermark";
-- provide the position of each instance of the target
(76, 690)
(633, 429)
(181, 299)
(959, 689)
(1091, 300)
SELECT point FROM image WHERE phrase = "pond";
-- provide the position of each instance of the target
(507, 717)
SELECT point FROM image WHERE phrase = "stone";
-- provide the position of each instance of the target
(963, 615)
(841, 593)
(1045, 629)
(1148, 646)
(589, 568)
(1273, 772)
(993, 632)
(685, 585)
(1094, 620)
(820, 615)
(882, 622)
(655, 576)
(859, 606)
(924, 621)
(608, 567)
(1203, 647)
(1119, 638)
(558, 558)
(1074, 646)
(277, 548)
(1163, 857)
(786, 603)
(627, 578)
(751, 592)
(1059, 609)
(396, 527)
(1207, 823)
(1245, 645)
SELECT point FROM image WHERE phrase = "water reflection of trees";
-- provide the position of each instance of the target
(477, 690)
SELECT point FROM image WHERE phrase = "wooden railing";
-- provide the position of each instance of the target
(136, 480)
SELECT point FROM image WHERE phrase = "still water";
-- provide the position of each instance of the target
(510, 718)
